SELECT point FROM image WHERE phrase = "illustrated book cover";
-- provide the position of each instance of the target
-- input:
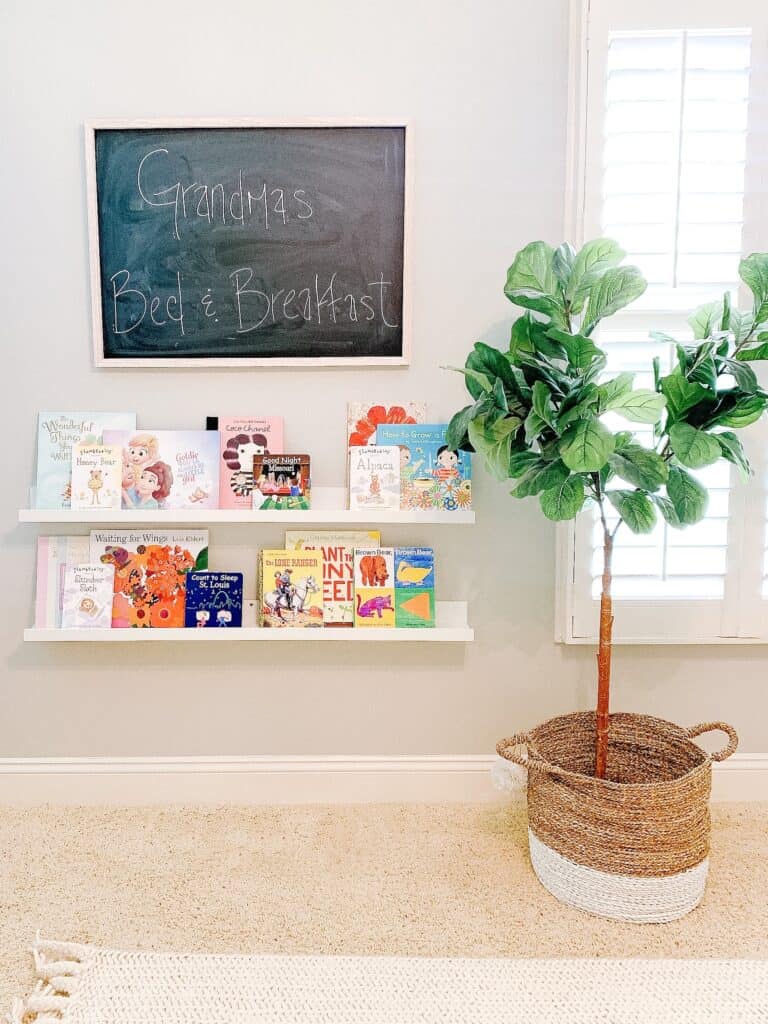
(374, 477)
(151, 569)
(96, 476)
(168, 469)
(290, 588)
(364, 418)
(88, 591)
(374, 587)
(414, 588)
(214, 599)
(56, 434)
(432, 476)
(240, 439)
(281, 482)
(54, 554)
(338, 549)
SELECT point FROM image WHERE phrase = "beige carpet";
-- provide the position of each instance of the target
(444, 880)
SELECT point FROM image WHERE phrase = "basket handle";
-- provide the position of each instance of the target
(730, 732)
(506, 748)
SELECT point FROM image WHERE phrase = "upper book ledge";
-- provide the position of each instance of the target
(328, 506)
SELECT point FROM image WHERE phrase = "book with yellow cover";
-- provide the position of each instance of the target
(290, 588)
(337, 547)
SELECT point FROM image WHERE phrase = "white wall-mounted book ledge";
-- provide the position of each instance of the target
(328, 507)
(451, 626)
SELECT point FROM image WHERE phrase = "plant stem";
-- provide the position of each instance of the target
(604, 643)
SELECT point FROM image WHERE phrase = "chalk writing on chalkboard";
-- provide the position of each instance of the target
(267, 244)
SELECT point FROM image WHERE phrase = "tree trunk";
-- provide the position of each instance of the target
(604, 660)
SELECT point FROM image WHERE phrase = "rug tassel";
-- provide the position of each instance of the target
(57, 965)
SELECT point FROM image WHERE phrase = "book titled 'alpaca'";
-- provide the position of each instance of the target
(374, 477)
(338, 550)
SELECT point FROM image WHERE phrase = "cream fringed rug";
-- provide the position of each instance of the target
(86, 985)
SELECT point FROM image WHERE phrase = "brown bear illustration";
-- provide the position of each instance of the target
(373, 571)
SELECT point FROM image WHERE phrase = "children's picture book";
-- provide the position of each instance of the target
(56, 434)
(96, 476)
(54, 554)
(374, 477)
(281, 482)
(364, 418)
(338, 549)
(168, 469)
(374, 587)
(88, 591)
(414, 588)
(290, 589)
(432, 476)
(214, 599)
(151, 569)
(240, 439)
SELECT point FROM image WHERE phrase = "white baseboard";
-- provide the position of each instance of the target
(296, 779)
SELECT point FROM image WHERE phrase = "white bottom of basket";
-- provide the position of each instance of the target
(621, 897)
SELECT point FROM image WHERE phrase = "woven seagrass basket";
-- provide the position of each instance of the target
(633, 846)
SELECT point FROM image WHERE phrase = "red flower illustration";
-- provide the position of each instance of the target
(365, 428)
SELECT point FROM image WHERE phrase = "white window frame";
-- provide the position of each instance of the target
(740, 617)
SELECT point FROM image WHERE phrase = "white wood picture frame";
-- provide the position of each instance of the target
(204, 362)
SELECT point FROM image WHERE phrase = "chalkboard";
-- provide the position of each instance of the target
(247, 244)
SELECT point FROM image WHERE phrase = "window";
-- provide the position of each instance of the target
(668, 156)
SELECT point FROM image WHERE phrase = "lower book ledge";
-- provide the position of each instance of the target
(450, 627)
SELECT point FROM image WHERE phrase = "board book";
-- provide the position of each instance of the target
(414, 588)
(374, 477)
(337, 548)
(214, 599)
(54, 554)
(87, 602)
(374, 587)
(96, 476)
(240, 439)
(151, 568)
(281, 482)
(56, 434)
(290, 588)
(168, 468)
(432, 476)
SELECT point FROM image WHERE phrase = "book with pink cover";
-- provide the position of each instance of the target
(164, 469)
(240, 438)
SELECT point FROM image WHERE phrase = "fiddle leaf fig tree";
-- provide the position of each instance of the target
(539, 411)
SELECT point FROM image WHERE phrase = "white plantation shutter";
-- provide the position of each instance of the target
(673, 128)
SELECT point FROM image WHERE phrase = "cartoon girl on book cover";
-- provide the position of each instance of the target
(141, 451)
(238, 457)
(151, 489)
